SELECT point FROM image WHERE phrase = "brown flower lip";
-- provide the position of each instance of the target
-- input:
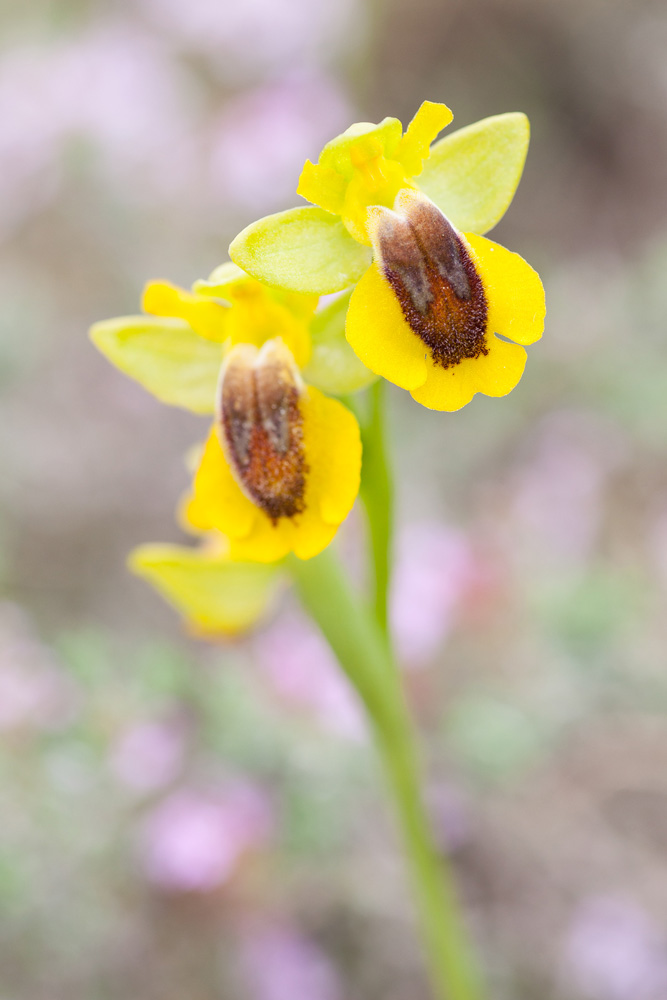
(261, 427)
(433, 276)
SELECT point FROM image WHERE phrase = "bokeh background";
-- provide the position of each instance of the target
(182, 819)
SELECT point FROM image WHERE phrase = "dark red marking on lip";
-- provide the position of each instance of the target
(434, 279)
(262, 432)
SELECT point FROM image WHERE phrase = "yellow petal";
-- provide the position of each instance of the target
(324, 186)
(218, 501)
(493, 374)
(514, 291)
(332, 444)
(379, 335)
(206, 318)
(413, 148)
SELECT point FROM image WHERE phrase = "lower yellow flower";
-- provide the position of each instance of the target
(217, 597)
(281, 467)
(426, 313)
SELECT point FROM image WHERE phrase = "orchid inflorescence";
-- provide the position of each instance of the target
(431, 300)
(386, 275)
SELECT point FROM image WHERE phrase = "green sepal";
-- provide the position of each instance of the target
(472, 174)
(215, 595)
(334, 367)
(303, 249)
(165, 356)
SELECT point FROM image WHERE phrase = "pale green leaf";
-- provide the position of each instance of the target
(166, 356)
(472, 174)
(214, 594)
(334, 367)
(303, 249)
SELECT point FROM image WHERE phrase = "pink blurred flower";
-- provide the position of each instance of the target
(121, 87)
(303, 671)
(558, 495)
(193, 841)
(114, 85)
(260, 35)
(265, 136)
(282, 964)
(34, 691)
(449, 816)
(149, 755)
(435, 568)
(29, 137)
(658, 545)
(613, 951)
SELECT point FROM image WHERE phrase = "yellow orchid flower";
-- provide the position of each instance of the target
(281, 467)
(217, 597)
(434, 297)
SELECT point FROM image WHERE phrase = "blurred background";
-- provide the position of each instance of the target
(183, 819)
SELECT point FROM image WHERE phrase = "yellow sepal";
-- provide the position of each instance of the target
(216, 596)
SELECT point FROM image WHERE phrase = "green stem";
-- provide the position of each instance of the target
(363, 653)
(378, 497)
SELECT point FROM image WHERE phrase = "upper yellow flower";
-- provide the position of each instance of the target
(432, 293)
(281, 467)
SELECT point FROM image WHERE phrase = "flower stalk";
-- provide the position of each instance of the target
(377, 494)
(365, 655)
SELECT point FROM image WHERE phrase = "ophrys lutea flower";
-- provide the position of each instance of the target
(281, 467)
(434, 297)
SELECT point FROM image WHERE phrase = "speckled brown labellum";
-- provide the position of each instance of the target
(261, 427)
(433, 277)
